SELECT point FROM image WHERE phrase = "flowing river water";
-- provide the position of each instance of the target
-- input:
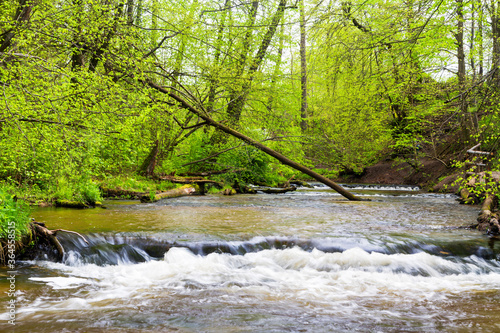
(305, 261)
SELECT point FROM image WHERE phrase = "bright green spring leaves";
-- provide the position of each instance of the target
(14, 217)
(76, 106)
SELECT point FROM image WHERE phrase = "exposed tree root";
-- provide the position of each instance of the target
(39, 243)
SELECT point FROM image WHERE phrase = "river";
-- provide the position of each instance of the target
(305, 261)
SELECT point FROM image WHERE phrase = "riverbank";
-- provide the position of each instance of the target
(430, 173)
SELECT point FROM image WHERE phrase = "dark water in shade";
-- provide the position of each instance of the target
(305, 261)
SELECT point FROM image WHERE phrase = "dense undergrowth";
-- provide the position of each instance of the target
(14, 217)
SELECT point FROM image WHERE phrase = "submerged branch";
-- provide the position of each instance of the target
(54, 232)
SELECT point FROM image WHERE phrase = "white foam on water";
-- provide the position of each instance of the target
(61, 282)
(369, 187)
(309, 276)
(353, 283)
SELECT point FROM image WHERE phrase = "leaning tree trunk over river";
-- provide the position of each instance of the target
(283, 159)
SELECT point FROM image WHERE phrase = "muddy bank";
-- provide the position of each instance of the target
(430, 173)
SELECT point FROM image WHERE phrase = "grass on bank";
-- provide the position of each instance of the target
(84, 190)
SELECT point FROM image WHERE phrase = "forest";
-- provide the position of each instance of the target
(249, 165)
(109, 93)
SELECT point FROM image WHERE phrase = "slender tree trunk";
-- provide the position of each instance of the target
(182, 47)
(218, 45)
(459, 37)
(480, 38)
(138, 15)
(237, 98)
(472, 37)
(100, 49)
(248, 37)
(148, 166)
(277, 67)
(235, 107)
(303, 68)
(23, 14)
(495, 35)
(154, 23)
(77, 56)
(130, 12)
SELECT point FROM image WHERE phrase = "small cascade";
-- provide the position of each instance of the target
(104, 249)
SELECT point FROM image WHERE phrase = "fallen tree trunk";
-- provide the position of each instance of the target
(210, 173)
(275, 190)
(301, 183)
(71, 204)
(199, 181)
(283, 159)
(175, 193)
(120, 193)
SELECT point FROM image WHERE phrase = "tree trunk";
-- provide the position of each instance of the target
(99, 50)
(472, 37)
(303, 68)
(154, 23)
(138, 15)
(283, 159)
(214, 78)
(78, 53)
(238, 98)
(175, 193)
(459, 36)
(276, 72)
(148, 166)
(495, 35)
(480, 39)
(182, 48)
(22, 15)
(130, 12)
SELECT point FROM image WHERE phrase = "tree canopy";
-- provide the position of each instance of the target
(87, 85)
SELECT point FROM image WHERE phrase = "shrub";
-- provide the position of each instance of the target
(13, 213)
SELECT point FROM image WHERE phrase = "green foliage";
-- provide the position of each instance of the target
(135, 183)
(476, 188)
(81, 190)
(488, 133)
(14, 215)
(75, 92)
(252, 165)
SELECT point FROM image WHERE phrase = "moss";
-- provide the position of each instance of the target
(71, 204)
